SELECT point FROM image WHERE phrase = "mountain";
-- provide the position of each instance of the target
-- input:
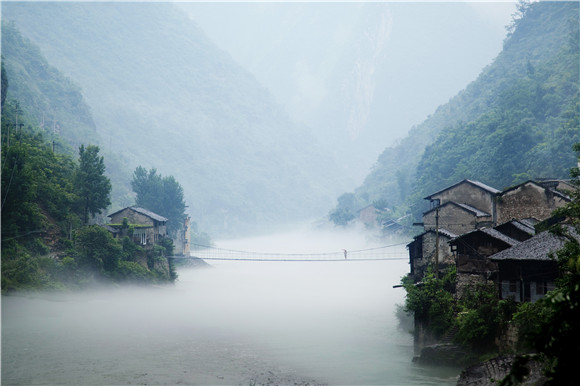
(162, 95)
(517, 120)
(43, 92)
(360, 74)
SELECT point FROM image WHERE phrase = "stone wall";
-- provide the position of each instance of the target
(132, 216)
(451, 217)
(467, 193)
(528, 200)
(446, 257)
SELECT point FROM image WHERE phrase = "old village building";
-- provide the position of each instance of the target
(530, 200)
(471, 251)
(527, 270)
(469, 206)
(148, 227)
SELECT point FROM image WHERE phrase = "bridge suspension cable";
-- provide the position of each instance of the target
(386, 252)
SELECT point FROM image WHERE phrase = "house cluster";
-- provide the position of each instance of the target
(148, 229)
(490, 236)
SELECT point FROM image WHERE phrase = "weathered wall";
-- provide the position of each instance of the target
(467, 281)
(466, 193)
(446, 257)
(453, 218)
(153, 233)
(132, 216)
(527, 201)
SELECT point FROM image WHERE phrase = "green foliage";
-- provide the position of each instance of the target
(341, 216)
(556, 334)
(4, 86)
(131, 251)
(431, 301)
(132, 272)
(92, 187)
(97, 248)
(528, 133)
(47, 96)
(482, 316)
(161, 195)
(550, 325)
(36, 182)
(516, 121)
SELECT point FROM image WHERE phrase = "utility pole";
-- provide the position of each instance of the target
(437, 242)
(436, 203)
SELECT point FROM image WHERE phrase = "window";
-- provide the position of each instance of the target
(143, 238)
(513, 286)
(541, 288)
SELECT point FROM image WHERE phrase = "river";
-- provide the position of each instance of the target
(239, 322)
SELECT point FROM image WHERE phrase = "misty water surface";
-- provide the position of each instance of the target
(235, 323)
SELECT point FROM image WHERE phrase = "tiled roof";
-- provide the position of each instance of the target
(442, 231)
(478, 213)
(447, 233)
(475, 211)
(524, 226)
(538, 247)
(500, 236)
(492, 233)
(554, 191)
(145, 212)
(148, 213)
(476, 183)
(484, 186)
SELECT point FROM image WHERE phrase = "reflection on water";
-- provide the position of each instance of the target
(236, 323)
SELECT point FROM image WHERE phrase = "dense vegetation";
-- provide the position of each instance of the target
(161, 195)
(516, 121)
(48, 198)
(55, 105)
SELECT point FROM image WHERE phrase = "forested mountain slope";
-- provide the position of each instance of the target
(517, 120)
(54, 106)
(54, 102)
(163, 96)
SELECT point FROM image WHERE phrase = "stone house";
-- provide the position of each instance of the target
(457, 218)
(473, 193)
(470, 205)
(471, 251)
(148, 227)
(422, 252)
(527, 271)
(529, 200)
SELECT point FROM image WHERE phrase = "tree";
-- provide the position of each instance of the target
(4, 86)
(162, 195)
(92, 187)
(97, 248)
(559, 337)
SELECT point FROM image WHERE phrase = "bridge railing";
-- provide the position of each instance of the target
(387, 252)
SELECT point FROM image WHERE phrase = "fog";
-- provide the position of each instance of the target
(239, 322)
(250, 105)
(360, 74)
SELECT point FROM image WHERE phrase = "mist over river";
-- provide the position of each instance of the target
(239, 322)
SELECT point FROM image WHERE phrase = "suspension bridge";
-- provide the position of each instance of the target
(386, 252)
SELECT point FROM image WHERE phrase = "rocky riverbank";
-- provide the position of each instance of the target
(527, 370)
